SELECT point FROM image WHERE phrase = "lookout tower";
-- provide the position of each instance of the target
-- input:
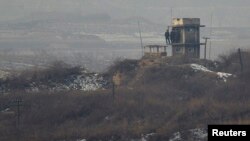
(185, 37)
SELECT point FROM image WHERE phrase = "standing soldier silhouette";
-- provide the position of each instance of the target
(172, 36)
(167, 36)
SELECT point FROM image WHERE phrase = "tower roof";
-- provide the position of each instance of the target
(186, 22)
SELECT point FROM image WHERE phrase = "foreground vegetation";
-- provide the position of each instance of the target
(159, 99)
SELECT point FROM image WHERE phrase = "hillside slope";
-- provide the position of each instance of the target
(164, 99)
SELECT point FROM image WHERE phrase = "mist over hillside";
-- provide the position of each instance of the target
(108, 29)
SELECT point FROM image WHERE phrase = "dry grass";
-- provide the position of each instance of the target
(169, 99)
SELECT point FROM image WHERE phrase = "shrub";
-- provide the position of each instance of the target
(56, 72)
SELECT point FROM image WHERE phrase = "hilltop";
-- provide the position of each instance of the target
(158, 99)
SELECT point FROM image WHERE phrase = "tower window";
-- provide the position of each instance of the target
(190, 30)
(178, 49)
(191, 50)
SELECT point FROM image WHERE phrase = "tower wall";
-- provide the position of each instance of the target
(187, 37)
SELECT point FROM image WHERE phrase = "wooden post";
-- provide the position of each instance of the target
(113, 92)
(18, 103)
(18, 112)
(116, 81)
(205, 50)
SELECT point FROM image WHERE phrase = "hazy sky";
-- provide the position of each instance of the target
(225, 12)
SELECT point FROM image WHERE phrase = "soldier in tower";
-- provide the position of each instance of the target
(177, 36)
(172, 36)
(167, 36)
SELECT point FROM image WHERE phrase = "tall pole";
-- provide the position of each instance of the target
(171, 20)
(241, 62)
(139, 27)
(205, 48)
(211, 28)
